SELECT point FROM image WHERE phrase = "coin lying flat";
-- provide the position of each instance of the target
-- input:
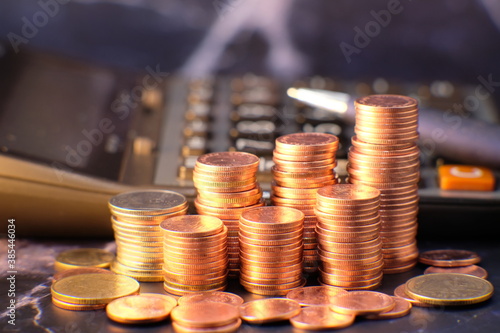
(401, 308)
(212, 296)
(269, 310)
(315, 295)
(471, 270)
(400, 292)
(449, 289)
(94, 288)
(321, 318)
(84, 257)
(229, 328)
(147, 202)
(200, 315)
(362, 303)
(449, 258)
(78, 271)
(141, 309)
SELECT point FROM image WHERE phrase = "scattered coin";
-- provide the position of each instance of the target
(449, 258)
(141, 309)
(77, 271)
(362, 302)
(91, 289)
(199, 315)
(268, 310)
(449, 289)
(400, 292)
(212, 296)
(321, 318)
(229, 328)
(471, 270)
(83, 257)
(315, 295)
(401, 308)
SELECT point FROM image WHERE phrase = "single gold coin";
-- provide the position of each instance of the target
(77, 271)
(202, 315)
(449, 289)
(297, 142)
(212, 296)
(362, 302)
(272, 216)
(83, 257)
(471, 270)
(269, 310)
(141, 309)
(401, 309)
(192, 225)
(315, 295)
(321, 318)
(94, 288)
(147, 202)
(348, 193)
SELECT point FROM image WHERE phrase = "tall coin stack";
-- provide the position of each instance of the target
(303, 162)
(384, 155)
(195, 254)
(271, 249)
(136, 218)
(350, 248)
(226, 185)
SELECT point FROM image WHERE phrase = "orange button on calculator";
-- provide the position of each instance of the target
(466, 178)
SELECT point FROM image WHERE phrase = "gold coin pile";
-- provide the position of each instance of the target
(136, 224)
(195, 254)
(91, 291)
(226, 185)
(303, 162)
(348, 235)
(271, 249)
(384, 155)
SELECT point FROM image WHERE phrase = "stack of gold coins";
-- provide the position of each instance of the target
(304, 162)
(136, 218)
(271, 249)
(226, 185)
(348, 236)
(195, 254)
(91, 291)
(385, 155)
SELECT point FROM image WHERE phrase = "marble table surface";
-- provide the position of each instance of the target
(34, 311)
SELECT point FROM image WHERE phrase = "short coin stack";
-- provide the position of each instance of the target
(271, 250)
(385, 155)
(348, 236)
(304, 162)
(91, 291)
(226, 185)
(139, 242)
(195, 254)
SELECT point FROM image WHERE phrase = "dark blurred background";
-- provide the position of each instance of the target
(455, 40)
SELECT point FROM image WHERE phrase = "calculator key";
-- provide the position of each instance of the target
(466, 177)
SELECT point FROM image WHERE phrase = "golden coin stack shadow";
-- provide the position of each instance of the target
(303, 162)
(384, 155)
(136, 218)
(348, 235)
(271, 248)
(195, 254)
(226, 185)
